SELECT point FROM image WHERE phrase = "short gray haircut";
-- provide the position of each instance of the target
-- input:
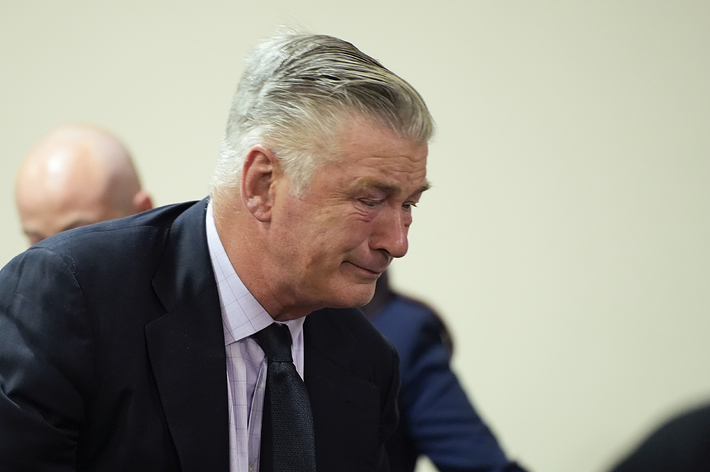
(297, 89)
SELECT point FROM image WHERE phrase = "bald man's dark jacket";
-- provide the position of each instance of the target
(112, 357)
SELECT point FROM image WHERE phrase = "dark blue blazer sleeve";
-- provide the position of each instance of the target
(437, 419)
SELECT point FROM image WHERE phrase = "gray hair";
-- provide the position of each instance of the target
(297, 89)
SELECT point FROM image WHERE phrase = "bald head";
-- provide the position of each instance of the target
(74, 176)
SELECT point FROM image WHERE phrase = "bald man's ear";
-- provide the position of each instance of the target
(142, 201)
(258, 174)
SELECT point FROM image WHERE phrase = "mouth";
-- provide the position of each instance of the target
(373, 271)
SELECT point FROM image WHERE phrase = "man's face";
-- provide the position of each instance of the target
(332, 244)
(42, 221)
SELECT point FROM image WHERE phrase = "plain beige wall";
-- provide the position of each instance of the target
(566, 239)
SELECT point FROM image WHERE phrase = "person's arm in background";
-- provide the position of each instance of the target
(437, 419)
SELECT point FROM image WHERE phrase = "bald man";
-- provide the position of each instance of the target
(74, 176)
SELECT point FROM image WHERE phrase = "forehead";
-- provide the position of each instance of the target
(373, 155)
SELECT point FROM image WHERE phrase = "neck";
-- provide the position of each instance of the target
(244, 241)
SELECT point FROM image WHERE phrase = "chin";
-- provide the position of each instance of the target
(354, 296)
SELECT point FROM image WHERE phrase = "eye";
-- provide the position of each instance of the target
(407, 206)
(368, 202)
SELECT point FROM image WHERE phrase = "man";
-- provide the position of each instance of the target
(135, 344)
(76, 175)
(437, 420)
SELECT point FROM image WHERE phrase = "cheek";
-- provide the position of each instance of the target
(332, 245)
(344, 228)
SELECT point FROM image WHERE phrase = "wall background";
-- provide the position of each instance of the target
(566, 238)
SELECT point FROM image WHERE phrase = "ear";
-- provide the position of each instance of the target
(260, 170)
(142, 201)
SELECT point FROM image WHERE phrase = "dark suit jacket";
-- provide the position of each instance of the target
(437, 419)
(112, 357)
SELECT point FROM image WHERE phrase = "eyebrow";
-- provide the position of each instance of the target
(389, 189)
(423, 188)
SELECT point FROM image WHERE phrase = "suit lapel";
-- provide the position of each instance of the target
(186, 347)
(345, 406)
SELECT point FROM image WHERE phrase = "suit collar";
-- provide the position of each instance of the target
(185, 270)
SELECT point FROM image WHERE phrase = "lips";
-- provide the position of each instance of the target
(374, 269)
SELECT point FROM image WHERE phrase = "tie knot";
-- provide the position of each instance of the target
(275, 340)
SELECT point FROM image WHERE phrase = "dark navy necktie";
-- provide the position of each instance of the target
(287, 441)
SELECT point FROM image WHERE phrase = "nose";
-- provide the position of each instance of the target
(390, 232)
